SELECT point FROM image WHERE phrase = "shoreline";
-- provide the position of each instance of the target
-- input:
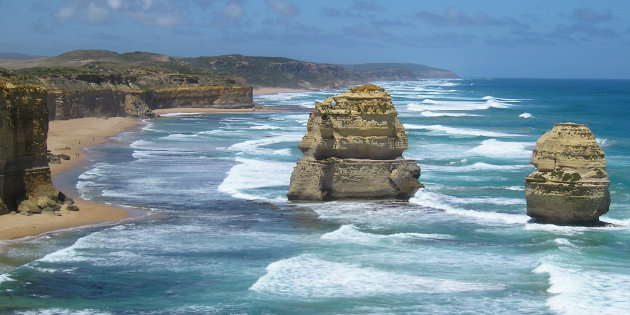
(276, 90)
(166, 112)
(71, 137)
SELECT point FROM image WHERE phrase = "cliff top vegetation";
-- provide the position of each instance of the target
(152, 69)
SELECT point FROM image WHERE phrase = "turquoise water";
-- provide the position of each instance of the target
(462, 245)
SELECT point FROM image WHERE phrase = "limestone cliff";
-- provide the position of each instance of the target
(25, 183)
(353, 149)
(121, 102)
(570, 184)
(93, 84)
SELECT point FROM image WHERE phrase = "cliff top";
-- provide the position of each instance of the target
(256, 71)
(364, 99)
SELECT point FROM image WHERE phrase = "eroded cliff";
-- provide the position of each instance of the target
(129, 85)
(25, 184)
(570, 184)
(353, 149)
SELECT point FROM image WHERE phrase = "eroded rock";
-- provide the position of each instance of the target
(25, 184)
(353, 149)
(570, 184)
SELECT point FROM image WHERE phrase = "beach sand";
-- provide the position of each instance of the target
(70, 137)
(276, 90)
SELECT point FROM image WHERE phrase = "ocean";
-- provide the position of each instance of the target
(227, 241)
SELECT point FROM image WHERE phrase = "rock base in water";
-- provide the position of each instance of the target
(353, 150)
(333, 179)
(570, 184)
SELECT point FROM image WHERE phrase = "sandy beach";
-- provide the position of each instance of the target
(276, 90)
(70, 137)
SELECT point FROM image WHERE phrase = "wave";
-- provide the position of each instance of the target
(255, 146)
(427, 113)
(265, 127)
(62, 311)
(435, 105)
(526, 116)
(307, 276)
(251, 174)
(476, 167)
(351, 234)
(5, 278)
(443, 202)
(581, 291)
(604, 143)
(459, 131)
(179, 114)
(500, 149)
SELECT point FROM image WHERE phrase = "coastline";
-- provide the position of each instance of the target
(71, 137)
(275, 90)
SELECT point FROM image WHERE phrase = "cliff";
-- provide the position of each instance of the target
(417, 71)
(353, 149)
(25, 184)
(570, 184)
(285, 72)
(102, 83)
(256, 71)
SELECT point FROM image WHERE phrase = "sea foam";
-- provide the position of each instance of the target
(459, 131)
(500, 149)
(444, 202)
(585, 290)
(252, 174)
(349, 233)
(307, 276)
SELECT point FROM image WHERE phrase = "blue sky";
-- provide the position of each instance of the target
(509, 38)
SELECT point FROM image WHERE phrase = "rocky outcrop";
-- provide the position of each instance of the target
(570, 184)
(353, 149)
(25, 184)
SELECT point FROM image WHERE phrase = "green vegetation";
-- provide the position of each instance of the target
(220, 70)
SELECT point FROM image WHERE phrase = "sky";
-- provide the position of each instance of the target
(481, 38)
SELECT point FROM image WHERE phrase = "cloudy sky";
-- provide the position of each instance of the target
(482, 38)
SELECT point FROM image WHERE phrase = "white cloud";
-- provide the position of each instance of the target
(114, 4)
(64, 14)
(233, 11)
(95, 13)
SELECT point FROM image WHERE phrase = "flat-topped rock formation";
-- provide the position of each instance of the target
(353, 149)
(570, 184)
(25, 184)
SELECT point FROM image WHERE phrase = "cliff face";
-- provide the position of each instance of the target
(25, 183)
(136, 103)
(570, 184)
(360, 124)
(353, 149)
(201, 96)
(101, 83)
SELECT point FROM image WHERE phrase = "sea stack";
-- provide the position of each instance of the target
(570, 183)
(353, 150)
(25, 184)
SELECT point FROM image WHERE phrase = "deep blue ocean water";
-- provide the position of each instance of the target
(462, 245)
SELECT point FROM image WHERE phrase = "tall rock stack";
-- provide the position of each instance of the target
(25, 184)
(570, 184)
(353, 150)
